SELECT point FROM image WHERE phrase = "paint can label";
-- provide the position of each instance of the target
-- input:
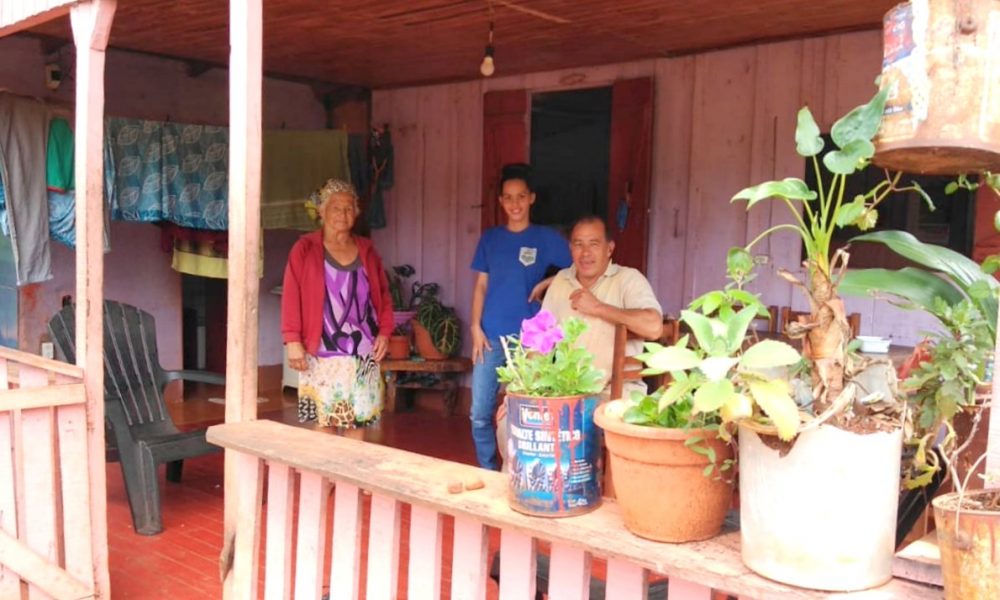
(554, 450)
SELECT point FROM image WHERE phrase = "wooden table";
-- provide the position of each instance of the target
(449, 370)
(896, 354)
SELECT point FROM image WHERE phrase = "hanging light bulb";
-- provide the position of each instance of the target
(488, 67)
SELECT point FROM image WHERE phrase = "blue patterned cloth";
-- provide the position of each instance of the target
(170, 172)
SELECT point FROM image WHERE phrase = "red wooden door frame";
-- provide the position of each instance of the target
(630, 168)
(505, 140)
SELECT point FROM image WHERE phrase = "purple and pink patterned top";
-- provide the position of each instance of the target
(349, 321)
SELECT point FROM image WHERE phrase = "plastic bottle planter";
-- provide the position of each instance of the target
(553, 448)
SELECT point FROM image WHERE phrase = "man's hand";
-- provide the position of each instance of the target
(584, 302)
(380, 347)
(480, 344)
(296, 356)
(538, 292)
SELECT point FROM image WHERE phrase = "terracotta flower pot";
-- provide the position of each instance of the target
(659, 482)
(399, 347)
(425, 343)
(970, 543)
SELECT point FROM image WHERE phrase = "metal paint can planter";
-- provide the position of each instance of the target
(554, 450)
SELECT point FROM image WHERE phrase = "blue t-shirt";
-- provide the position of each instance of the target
(515, 263)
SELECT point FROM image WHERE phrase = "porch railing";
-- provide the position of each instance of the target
(393, 478)
(45, 526)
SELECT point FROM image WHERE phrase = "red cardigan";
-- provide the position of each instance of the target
(303, 287)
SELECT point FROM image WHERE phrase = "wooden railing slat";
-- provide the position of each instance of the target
(278, 548)
(569, 573)
(39, 362)
(424, 574)
(626, 580)
(39, 476)
(518, 556)
(50, 395)
(383, 548)
(74, 472)
(310, 548)
(249, 472)
(469, 557)
(10, 585)
(47, 580)
(345, 568)
(680, 589)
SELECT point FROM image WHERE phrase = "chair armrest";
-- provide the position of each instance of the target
(199, 376)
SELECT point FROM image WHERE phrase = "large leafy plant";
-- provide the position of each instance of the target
(944, 278)
(719, 379)
(545, 359)
(816, 215)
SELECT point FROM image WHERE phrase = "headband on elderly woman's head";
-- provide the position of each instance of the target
(319, 197)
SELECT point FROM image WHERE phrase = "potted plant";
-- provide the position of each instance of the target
(436, 329)
(405, 308)
(821, 512)
(948, 389)
(671, 451)
(399, 342)
(553, 448)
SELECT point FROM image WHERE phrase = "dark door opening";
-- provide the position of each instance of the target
(570, 155)
(204, 323)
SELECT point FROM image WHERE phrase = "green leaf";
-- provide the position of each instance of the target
(671, 358)
(868, 220)
(736, 328)
(849, 213)
(991, 264)
(846, 160)
(635, 416)
(767, 354)
(790, 187)
(737, 407)
(738, 262)
(707, 470)
(711, 395)
(717, 367)
(962, 271)
(774, 399)
(916, 287)
(951, 188)
(861, 124)
(996, 220)
(674, 392)
(701, 326)
(808, 141)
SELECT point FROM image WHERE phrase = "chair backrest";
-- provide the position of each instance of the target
(790, 316)
(671, 331)
(623, 368)
(132, 372)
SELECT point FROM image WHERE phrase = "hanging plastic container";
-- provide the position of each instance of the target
(941, 65)
(554, 449)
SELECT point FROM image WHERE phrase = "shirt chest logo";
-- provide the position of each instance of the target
(527, 256)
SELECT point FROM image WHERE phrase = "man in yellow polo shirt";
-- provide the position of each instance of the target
(603, 295)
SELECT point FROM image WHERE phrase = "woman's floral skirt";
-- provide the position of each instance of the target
(342, 391)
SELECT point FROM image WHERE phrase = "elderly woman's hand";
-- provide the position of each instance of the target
(296, 356)
(380, 347)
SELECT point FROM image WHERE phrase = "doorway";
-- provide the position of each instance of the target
(204, 323)
(570, 155)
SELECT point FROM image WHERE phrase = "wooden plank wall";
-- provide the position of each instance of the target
(723, 120)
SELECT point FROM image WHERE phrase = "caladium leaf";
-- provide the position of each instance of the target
(808, 141)
(767, 354)
(790, 187)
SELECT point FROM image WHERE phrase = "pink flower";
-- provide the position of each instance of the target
(541, 332)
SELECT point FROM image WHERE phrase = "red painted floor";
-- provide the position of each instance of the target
(182, 562)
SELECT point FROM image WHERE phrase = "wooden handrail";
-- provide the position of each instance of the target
(422, 481)
(45, 364)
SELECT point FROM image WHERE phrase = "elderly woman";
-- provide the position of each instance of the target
(336, 315)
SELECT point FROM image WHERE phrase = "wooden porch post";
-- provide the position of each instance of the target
(91, 23)
(242, 490)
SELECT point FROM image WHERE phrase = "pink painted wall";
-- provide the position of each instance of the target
(136, 271)
(723, 120)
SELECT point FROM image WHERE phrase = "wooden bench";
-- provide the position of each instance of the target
(449, 371)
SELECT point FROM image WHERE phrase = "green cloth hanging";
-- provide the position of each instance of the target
(59, 156)
(295, 163)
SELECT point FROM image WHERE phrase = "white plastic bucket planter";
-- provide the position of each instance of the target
(824, 515)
